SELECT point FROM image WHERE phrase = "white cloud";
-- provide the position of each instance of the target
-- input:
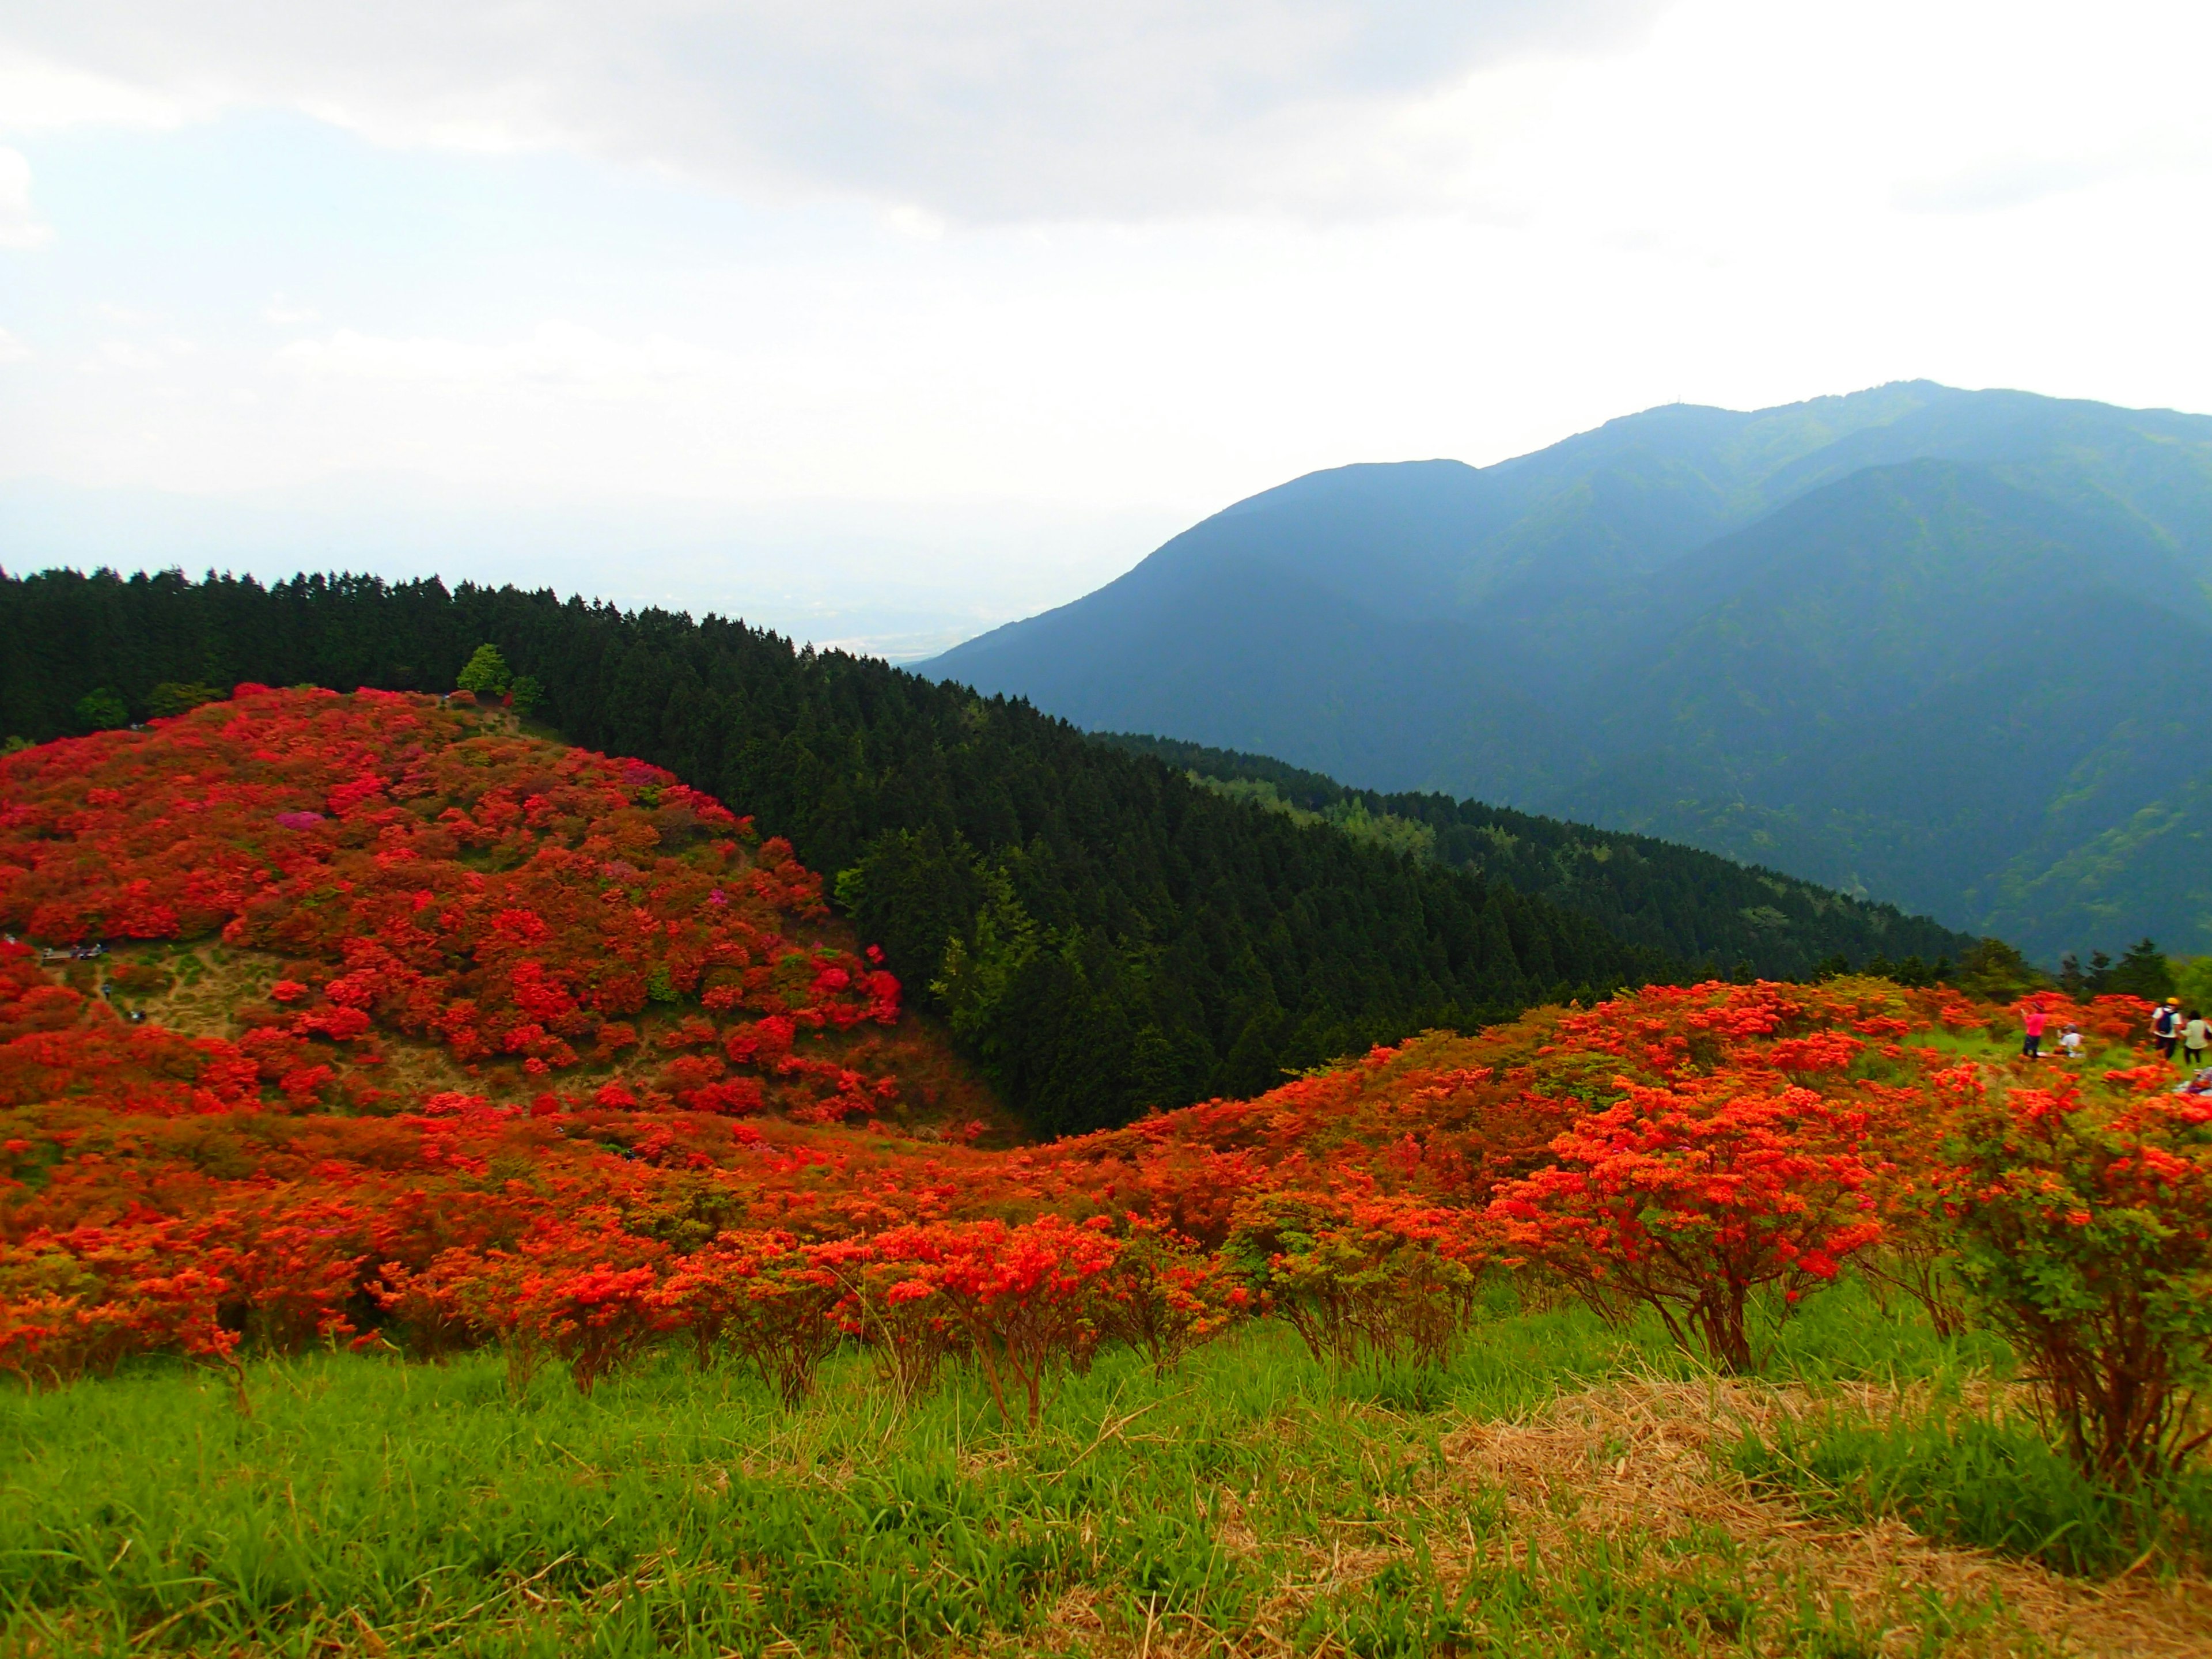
(1495, 241)
(557, 354)
(138, 357)
(123, 354)
(38, 95)
(12, 350)
(19, 227)
(967, 109)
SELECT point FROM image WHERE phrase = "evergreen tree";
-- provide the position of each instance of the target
(1996, 972)
(2141, 972)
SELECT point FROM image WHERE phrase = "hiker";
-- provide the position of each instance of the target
(2199, 1084)
(2032, 1019)
(2165, 1026)
(2071, 1042)
(2196, 1038)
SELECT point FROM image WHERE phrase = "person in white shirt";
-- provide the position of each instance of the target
(2070, 1044)
(2165, 1026)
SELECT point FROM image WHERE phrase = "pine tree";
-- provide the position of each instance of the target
(2143, 971)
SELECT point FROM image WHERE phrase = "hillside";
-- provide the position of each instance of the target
(1103, 936)
(363, 904)
(1300, 1371)
(1693, 906)
(1930, 646)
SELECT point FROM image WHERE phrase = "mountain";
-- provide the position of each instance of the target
(1943, 647)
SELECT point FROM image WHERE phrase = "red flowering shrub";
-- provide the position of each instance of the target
(2088, 1232)
(764, 1294)
(430, 922)
(506, 899)
(1163, 1296)
(1362, 1277)
(1688, 1199)
(1023, 1298)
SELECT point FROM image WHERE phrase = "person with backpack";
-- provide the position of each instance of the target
(2165, 1026)
(2032, 1019)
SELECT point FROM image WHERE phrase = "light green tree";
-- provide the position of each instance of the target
(486, 674)
(2192, 981)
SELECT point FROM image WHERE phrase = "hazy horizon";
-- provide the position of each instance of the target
(886, 326)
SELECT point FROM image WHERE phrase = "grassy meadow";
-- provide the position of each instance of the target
(1561, 1487)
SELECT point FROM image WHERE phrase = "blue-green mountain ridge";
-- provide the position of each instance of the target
(1951, 649)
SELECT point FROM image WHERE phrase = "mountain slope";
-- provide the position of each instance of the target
(1694, 906)
(397, 901)
(1905, 681)
(1930, 644)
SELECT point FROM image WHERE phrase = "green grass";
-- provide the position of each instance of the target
(1252, 1499)
(1992, 1480)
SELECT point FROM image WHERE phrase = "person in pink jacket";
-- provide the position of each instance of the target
(2032, 1021)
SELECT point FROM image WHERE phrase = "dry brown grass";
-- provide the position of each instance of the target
(1624, 1477)
(1632, 1463)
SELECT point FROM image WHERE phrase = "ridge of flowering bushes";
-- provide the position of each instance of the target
(1768, 1125)
(612, 962)
(512, 901)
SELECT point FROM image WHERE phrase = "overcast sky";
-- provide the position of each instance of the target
(884, 321)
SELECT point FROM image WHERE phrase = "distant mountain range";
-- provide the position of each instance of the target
(1951, 649)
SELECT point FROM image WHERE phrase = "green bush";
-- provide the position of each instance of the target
(170, 697)
(102, 710)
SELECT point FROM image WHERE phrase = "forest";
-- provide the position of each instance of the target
(1693, 906)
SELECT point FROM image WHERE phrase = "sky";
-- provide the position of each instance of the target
(883, 322)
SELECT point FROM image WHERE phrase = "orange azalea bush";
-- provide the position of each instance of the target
(516, 903)
(1360, 1276)
(1690, 1199)
(2086, 1221)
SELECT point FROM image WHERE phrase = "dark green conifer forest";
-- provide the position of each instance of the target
(1725, 917)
